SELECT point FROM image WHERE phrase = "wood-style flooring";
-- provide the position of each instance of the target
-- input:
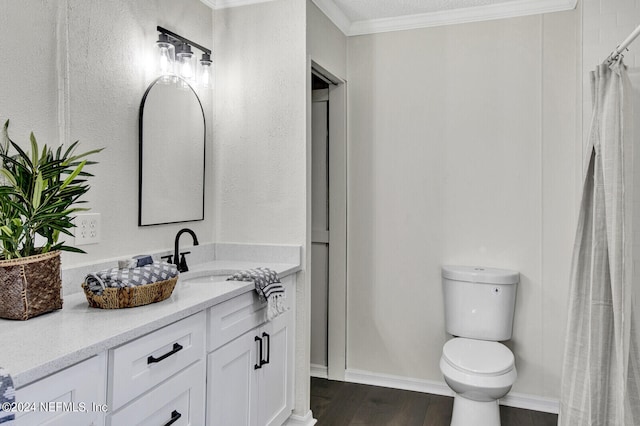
(340, 403)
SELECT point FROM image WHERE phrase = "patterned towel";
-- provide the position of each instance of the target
(119, 278)
(268, 287)
(7, 395)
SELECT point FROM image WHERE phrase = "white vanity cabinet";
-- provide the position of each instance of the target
(74, 396)
(250, 378)
(224, 365)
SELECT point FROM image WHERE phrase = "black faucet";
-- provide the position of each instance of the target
(182, 264)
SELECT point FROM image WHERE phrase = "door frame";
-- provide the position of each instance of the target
(337, 285)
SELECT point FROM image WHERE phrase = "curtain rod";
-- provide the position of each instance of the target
(623, 46)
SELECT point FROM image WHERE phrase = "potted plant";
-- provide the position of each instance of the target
(39, 194)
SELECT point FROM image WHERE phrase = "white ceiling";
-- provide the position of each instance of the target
(355, 17)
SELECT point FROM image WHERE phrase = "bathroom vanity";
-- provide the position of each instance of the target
(206, 355)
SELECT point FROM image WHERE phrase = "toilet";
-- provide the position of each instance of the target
(479, 304)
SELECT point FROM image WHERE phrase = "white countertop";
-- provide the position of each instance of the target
(35, 348)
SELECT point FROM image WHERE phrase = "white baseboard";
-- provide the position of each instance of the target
(319, 371)
(531, 402)
(513, 399)
(397, 382)
(306, 420)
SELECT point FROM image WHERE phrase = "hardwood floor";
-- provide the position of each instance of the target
(340, 403)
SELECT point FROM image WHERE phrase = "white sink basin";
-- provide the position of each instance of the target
(206, 276)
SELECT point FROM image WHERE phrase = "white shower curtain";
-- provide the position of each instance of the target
(601, 369)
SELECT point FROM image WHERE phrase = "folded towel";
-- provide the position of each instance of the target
(119, 278)
(268, 287)
(7, 396)
(143, 260)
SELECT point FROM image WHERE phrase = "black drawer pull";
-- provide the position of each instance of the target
(174, 418)
(259, 364)
(177, 347)
(268, 339)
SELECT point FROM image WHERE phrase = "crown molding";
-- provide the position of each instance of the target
(210, 3)
(223, 4)
(335, 14)
(448, 17)
(509, 9)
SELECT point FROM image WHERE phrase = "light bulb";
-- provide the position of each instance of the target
(205, 75)
(165, 63)
(187, 63)
(186, 71)
(166, 52)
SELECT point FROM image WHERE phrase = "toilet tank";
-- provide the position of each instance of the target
(479, 302)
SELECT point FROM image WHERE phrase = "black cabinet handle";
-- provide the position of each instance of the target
(174, 418)
(259, 364)
(176, 348)
(268, 339)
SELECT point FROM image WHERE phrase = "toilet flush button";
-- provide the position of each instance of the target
(496, 290)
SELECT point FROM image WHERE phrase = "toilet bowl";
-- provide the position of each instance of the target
(480, 373)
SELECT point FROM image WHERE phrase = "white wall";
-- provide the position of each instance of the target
(260, 123)
(260, 168)
(28, 81)
(462, 150)
(78, 72)
(326, 44)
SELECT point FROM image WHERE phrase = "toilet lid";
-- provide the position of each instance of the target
(478, 356)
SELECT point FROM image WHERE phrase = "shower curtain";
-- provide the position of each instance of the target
(601, 369)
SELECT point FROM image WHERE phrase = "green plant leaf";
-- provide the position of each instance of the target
(34, 149)
(4, 145)
(69, 249)
(23, 156)
(10, 177)
(73, 175)
(37, 191)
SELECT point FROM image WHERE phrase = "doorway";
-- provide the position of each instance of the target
(328, 225)
(319, 226)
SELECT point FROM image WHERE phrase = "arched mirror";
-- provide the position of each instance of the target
(172, 154)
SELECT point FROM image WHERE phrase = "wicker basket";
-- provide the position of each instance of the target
(130, 297)
(30, 286)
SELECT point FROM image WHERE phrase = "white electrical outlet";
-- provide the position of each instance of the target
(87, 228)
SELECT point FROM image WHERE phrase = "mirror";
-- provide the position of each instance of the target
(172, 154)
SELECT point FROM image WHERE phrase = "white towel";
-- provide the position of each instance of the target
(268, 286)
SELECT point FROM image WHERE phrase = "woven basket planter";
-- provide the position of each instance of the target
(30, 286)
(130, 297)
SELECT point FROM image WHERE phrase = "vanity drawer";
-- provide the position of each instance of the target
(181, 398)
(66, 398)
(233, 318)
(141, 364)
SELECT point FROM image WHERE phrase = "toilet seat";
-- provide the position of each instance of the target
(478, 357)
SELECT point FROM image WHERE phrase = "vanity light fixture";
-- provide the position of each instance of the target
(176, 57)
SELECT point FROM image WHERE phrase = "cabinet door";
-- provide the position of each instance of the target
(276, 377)
(232, 397)
(74, 396)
